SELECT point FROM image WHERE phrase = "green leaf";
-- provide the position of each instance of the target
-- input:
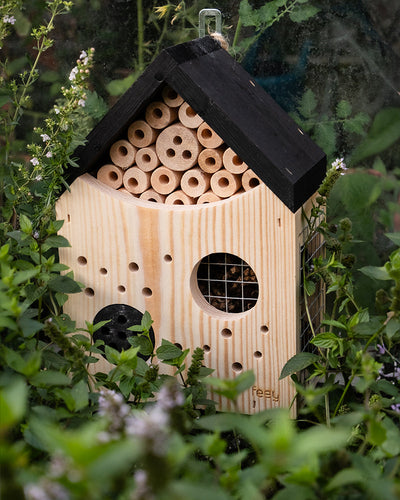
(376, 432)
(309, 287)
(63, 284)
(308, 104)
(378, 273)
(325, 340)
(29, 326)
(392, 327)
(13, 402)
(25, 224)
(77, 397)
(297, 363)
(168, 351)
(395, 237)
(22, 276)
(325, 136)
(384, 131)
(143, 343)
(50, 377)
(57, 241)
(302, 13)
(344, 478)
(343, 109)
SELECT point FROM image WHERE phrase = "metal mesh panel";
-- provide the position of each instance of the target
(227, 283)
(316, 302)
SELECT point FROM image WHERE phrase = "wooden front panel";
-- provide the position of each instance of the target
(129, 251)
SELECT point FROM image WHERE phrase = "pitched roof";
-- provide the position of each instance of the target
(230, 101)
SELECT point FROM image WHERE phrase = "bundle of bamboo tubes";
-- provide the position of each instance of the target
(170, 155)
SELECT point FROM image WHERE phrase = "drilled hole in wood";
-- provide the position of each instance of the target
(146, 158)
(168, 257)
(223, 182)
(206, 348)
(157, 113)
(121, 289)
(258, 354)
(236, 160)
(186, 154)
(227, 283)
(264, 329)
(139, 134)
(103, 271)
(206, 133)
(82, 261)
(122, 150)
(177, 202)
(147, 292)
(113, 176)
(163, 179)
(226, 333)
(121, 319)
(133, 267)
(237, 367)
(132, 182)
(89, 292)
(254, 182)
(68, 218)
(210, 161)
(171, 94)
(170, 153)
(193, 182)
(190, 112)
(179, 346)
(177, 140)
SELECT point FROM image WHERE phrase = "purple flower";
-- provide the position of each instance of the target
(396, 408)
(381, 348)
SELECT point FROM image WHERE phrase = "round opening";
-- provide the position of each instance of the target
(206, 133)
(121, 319)
(82, 261)
(168, 258)
(139, 134)
(206, 348)
(226, 333)
(163, 179)
(121, 335)
(157, 113)
(227, 283)
(223, 182)
(133, 267)
(210, 161)
(179, 346)
(103, 271)
(113, 176)
(193, 182)
(186, 154)
(177, 140)
(254, 182)
(170, 153)
(264, 329)
(146, 158)
(121, 289)
(258, 354)
(171, 94)
(89, 292)
(123, 150)
(237, 367)
(147, 292)
(178, 202)
(190, 112)
(132, 182)
(236, 160)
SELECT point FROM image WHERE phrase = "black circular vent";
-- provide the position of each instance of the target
(115, 333)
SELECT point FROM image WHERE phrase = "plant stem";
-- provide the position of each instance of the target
(140, 36)
(237, 32)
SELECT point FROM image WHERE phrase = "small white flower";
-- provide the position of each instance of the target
(45, 137)
(49, 154)
(38, 178)
(73, 73)
(35, 161)
(56, 111)
(9, 19)
(83, 55)
(36, 235)
(81, 102)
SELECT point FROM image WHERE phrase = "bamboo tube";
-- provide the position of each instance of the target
(151, 195)
(179, 198)
(171, 98)
(177, 147)
(233, 163)
(147, 159)
(195, 182)
(250, 180)
(110, 175)
(159, 115)
(140, 134)
(136, 181)
(208, 197)
(188, 116)
(164, 180)
(210, 160)
(207, 137)
(122, 154)
(224, 183)
(124, 190)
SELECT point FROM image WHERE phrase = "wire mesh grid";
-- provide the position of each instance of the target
(227, 283)
(316, 302)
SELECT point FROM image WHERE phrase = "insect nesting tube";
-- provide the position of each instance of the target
(195, 182)
(177, 147)
(122, 154)
(159, 115)
(140, 134)
(147, 159)
(225, 184)
(111, 175)
(188, 117)
(136, 181)
(165, 180)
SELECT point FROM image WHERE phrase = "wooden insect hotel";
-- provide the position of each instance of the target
(188, 204)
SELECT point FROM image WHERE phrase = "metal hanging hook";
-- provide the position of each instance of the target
(202, 20)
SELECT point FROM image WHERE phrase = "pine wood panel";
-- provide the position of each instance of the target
(166, 243)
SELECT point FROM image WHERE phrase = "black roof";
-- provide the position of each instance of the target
(233, 104)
